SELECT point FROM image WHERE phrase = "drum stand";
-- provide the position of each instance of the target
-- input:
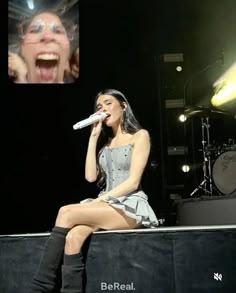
(206, 184)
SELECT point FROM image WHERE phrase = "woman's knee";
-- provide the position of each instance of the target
(73, 237)
(64, 216)
(77, 235)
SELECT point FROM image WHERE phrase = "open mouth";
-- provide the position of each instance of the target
(47, 67)
(108, 115)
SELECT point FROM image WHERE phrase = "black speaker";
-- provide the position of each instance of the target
(207, 210)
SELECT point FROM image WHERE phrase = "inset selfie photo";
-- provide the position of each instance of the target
(43, 41)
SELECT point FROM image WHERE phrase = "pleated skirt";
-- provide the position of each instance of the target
(136, 206)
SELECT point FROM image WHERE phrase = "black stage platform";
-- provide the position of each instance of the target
(196, 259)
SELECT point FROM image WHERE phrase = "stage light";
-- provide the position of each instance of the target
(185, 168)
(182, 118)
(30, 4)
(225, 87)
(179, 68)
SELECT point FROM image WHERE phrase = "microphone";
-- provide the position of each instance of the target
(92, 119)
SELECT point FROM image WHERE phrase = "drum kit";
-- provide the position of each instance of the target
(219, 162)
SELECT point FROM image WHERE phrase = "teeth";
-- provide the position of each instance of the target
(47, 57)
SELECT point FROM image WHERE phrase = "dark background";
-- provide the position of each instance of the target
(121, 44)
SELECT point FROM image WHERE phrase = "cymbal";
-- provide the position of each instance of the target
(203, 111)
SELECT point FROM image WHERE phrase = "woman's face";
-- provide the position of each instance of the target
(45, 49)
(111, 106)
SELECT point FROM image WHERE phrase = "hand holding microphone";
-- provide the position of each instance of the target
(88, 121)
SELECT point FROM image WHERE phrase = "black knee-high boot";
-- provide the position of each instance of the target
(72, 273)
(45, 277)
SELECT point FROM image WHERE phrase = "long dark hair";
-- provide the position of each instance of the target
(129, 124)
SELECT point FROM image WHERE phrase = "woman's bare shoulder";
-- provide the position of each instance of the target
(141, 136)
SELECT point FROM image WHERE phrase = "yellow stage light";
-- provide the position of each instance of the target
(182, 118)
(225, 87)
(185, 168)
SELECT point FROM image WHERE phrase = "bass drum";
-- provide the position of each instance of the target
(224, 172)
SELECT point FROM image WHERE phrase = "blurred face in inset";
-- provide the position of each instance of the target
(45, 48)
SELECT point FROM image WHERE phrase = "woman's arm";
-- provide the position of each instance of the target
(91, 161)
(91, 171)
(140, 154)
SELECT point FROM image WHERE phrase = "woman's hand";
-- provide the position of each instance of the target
(17, 67)
(75, 70)
(97, 126)
(100, 198)
(74, 63)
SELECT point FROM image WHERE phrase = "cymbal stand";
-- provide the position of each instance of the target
(206, 184)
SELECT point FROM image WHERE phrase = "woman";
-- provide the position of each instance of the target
(122, 204)
(44, 49)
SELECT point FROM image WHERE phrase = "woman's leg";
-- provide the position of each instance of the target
(98, 214)
(45, 277)
(101, 215)
(90, 215)
(73, 265)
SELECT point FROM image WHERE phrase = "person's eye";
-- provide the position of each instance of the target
(58, 30)
(35, 29)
